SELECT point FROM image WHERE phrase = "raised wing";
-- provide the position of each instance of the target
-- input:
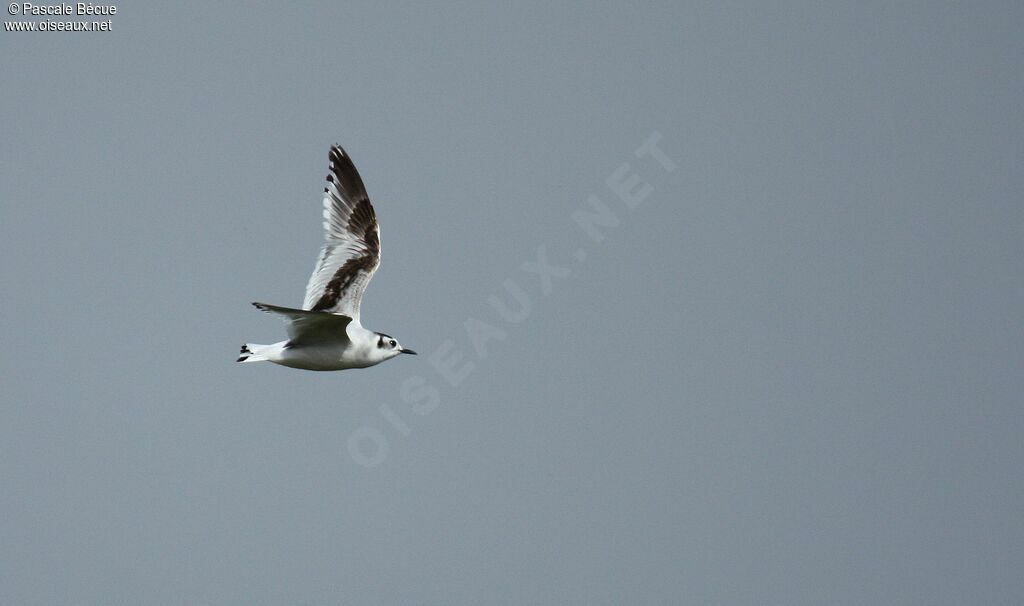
(352, 251)
(308, 327)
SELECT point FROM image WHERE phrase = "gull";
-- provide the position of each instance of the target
(326, 333)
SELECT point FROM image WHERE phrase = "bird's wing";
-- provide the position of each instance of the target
(352, 251)
(307, 327)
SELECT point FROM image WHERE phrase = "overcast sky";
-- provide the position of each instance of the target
(716, 304)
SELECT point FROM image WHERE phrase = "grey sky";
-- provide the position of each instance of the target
(791, 375)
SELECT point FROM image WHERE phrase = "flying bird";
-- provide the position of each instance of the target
(326, 333)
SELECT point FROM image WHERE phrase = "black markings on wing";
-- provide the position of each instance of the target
(352, 235)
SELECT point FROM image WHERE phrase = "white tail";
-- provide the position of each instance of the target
(252, 352)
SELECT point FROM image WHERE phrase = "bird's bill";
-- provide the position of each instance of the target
(409, 351)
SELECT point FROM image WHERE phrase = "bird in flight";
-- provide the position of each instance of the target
(326, 333)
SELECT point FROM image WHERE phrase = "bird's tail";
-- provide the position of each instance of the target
(252, 352)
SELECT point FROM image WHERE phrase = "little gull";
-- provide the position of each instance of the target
(326, 333)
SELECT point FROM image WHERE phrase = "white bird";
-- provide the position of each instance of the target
(326, 333)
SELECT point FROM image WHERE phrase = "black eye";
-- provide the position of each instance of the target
(392, 342)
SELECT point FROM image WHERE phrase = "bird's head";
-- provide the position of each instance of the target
(388, 347)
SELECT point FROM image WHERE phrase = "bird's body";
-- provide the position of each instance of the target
(352, 347)
(327, 334)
